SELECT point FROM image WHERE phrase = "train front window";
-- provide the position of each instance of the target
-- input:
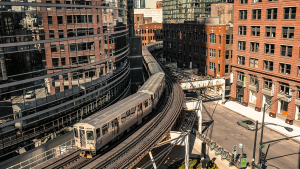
(89, 135)
(76, 132)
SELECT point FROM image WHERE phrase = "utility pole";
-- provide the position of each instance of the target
(254, 148)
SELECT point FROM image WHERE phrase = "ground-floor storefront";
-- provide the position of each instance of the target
(280, 97)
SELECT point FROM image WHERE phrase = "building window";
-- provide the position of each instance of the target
(59, 20)
(227, 54)
(51, 33)
(272, 13)
(219, 39)
(256, 14)
(284, 68)
(253, 62)
(90, 18)
(226, 69)
(284, 88)
(61, 33)
(269, 48)
(288, 32)
(169, 45)
(180, 47)
(174, 35)
(203, 63)
(286, 50)
(212, 38)
(255, 30)
(53, 48)
(257, 1)
(58, 8)
(241, 60)
(69, 19)
(270, 31)
(242, 30)
(289, 13)
(272, 0)
(254, 47)
(241, 45)
(174, 45)
(268, 65)
(196, 49)
(267, 84)
(243, 14)
(253, 80)
(203, 51)
(219, 54)
(212, 53)
(203, 37)
(62, 48)
(63, 61)
(55, 62)
(50, 20)
(240, 76)
(298, 73)
(219, 68)
(243, 1)
(211, 66)
(227, 39)
(196, 37)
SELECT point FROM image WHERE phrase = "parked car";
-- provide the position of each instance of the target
(248, 124)
(29, 95)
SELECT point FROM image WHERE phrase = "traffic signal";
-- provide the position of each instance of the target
(263, 158)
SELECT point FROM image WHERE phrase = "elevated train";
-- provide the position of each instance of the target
(108, 125)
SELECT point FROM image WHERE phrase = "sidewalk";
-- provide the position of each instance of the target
(252, 114)
(222, 164)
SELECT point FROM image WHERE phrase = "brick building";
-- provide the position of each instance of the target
(151, 32)
(265, 62)
(205, 44)
(159, 4)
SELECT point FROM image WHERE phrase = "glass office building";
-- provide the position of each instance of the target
(60, 61)
(178, 11)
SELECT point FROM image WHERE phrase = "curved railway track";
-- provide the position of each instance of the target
(144, 139)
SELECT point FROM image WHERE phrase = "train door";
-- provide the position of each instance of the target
(140, 111)
(115, 127)
(99, 138)
(82, 138)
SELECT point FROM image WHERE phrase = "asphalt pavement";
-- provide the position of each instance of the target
(227, 133)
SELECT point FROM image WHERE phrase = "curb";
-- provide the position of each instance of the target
(271, 128)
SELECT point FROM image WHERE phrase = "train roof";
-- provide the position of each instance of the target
(149, 58)
(152, 83)
(114, 110)
(154, 68)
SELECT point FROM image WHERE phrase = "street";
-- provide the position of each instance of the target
(281, 155)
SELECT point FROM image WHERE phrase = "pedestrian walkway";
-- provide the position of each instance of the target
(222, 164)
(255, 115)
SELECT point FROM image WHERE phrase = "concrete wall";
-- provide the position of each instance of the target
(224, 11)
(156, 14)
(39, 150)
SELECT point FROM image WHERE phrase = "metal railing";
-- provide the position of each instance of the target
(45, 156)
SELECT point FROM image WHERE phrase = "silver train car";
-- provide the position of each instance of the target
(96, 131)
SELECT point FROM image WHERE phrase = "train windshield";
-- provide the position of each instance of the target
(89, 135)
(76, 132)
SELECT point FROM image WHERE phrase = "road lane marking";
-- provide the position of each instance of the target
(228, 126)
(286, 158)
(251, 138)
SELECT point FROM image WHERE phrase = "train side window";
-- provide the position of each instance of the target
(76, 132)
(146, 103)
(98, 132)
(112, 124)
(104, 129)
(132, 111)
(128, 113)
(123, 117)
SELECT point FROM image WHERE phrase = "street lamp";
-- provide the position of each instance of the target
(262, 130)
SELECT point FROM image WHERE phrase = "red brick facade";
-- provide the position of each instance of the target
(267, 64)
(189, 35)
(159, 4)
(149, 32)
